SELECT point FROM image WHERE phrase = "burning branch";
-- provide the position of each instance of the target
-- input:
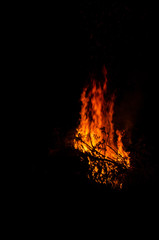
(107, 159)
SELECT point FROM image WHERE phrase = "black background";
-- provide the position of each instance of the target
(84, 37)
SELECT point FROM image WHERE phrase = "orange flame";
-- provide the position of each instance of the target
(95, 136)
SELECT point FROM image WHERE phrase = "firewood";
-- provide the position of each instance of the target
(101, 157)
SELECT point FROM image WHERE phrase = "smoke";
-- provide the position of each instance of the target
(129, 102)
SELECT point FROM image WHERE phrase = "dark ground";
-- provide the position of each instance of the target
(80, 40)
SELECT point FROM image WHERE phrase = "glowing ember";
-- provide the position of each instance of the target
(95, 136)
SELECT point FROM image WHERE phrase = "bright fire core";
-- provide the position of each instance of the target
(95, 136)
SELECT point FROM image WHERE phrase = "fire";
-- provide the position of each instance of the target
(95, 136)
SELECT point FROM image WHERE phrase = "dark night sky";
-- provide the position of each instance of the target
(83, 37)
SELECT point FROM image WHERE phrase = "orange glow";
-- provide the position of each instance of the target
(95, 135)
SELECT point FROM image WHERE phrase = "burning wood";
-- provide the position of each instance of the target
(94, 152)
(95, 136)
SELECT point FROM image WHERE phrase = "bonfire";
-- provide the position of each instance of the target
(100, 145)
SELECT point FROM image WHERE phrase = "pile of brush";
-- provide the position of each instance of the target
(101, 168)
